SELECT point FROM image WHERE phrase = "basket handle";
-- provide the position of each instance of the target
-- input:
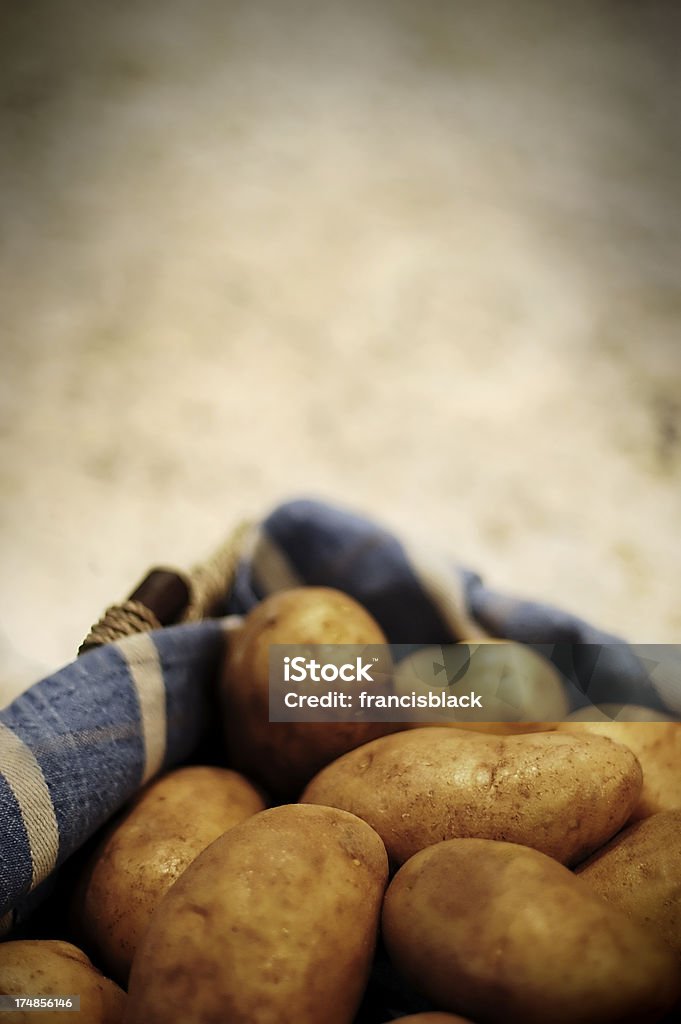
(168, 596)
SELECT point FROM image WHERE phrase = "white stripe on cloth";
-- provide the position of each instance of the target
(271, 568)
(143, 662)
(445, 592)
(232, 624)
(26, 780)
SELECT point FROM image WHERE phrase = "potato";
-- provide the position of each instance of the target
(283, 756)
(515, 684)
(506, 935)
(275, 922)
(592, 713)
(639, 871)
(657, 746)
(147, 849)
(47, 967)
(563, 795)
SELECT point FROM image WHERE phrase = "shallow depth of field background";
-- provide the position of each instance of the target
(422, 260)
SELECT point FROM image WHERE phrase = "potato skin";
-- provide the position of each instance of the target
(657, 746)
(283, 756)
(506, 935)
(147, 849)
(563, 795)
(639, 871)
(275, 922)
(48, 967)
(514, 682)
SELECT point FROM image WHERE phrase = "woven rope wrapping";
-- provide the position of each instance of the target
(210, 581)
(208, 584)
(120, 620)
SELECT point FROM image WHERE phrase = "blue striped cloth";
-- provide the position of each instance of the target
(80, 743)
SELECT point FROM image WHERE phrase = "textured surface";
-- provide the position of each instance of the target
(414, 259)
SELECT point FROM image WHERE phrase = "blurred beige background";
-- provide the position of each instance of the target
(419, 259)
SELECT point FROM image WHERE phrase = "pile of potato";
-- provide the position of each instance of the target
(529, 876)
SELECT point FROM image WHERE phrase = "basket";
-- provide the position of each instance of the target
(158, 649)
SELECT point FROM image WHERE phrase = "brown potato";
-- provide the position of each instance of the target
(639, 871)
(506, 935)
(283, 756)
(513, 681)
(275, 922)
(147, 849)
(564, 795)
(657, 746)
(47, 967)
